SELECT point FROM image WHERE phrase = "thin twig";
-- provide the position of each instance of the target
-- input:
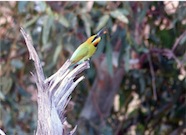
(178, 40)
(153, 76)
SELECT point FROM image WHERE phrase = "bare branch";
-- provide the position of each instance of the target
(1, 132)
(33, 56)
(66, 95)
(53, 92)
(59, 72)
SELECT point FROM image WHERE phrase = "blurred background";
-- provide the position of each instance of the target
(136, 84)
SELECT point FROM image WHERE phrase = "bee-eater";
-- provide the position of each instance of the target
(88, 48)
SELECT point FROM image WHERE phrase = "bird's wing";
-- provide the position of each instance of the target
(79, 54)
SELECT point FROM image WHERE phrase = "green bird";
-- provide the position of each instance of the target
(88, 48)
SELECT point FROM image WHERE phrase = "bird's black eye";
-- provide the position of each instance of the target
(95, 38)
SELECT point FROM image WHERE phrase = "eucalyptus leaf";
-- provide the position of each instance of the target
(87, 22)
(142, 15)
(64, 21)
(32, 21)
(142, 83)
(183, 40)
(124, 11)
(74, 20)
(122, 36)
(5, 84)
(107, 130)
(101, 3)
(48, 22)
(57, 52)
(2, 97)
(119, 15)
(109, 58)
(23, 92)
(22, 6)
(127, 58)
(17, 63)
(102, 22)
(40, 6)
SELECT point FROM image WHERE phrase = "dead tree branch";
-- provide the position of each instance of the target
(53, 92)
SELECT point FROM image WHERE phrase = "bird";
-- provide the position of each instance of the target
(88, 48)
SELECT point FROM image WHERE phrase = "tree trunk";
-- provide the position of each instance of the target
(100, 99)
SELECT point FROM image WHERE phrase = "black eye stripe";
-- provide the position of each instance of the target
(95, 38)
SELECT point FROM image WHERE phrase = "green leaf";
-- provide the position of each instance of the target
(102, 22)
(142, 15)
(17, 63)
(48, 22)
(2, 97)
(140, 129)
(64, 21)
(127, 58)
(22, 6)
(87, 22)
(107, 130)
(40, 6)
(32, 21)
(5, 84)
(49, 11)
(122, 35)
(123, 11)
(73, 20)
(101, 3)
(183, 40)
(166, 37)
(22, 92)
(118, 15)
(109, 58)
(57, 52)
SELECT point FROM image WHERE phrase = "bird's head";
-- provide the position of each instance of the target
(95, 39)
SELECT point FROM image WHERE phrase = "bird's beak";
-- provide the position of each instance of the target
(97, 37)
(101, 32)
